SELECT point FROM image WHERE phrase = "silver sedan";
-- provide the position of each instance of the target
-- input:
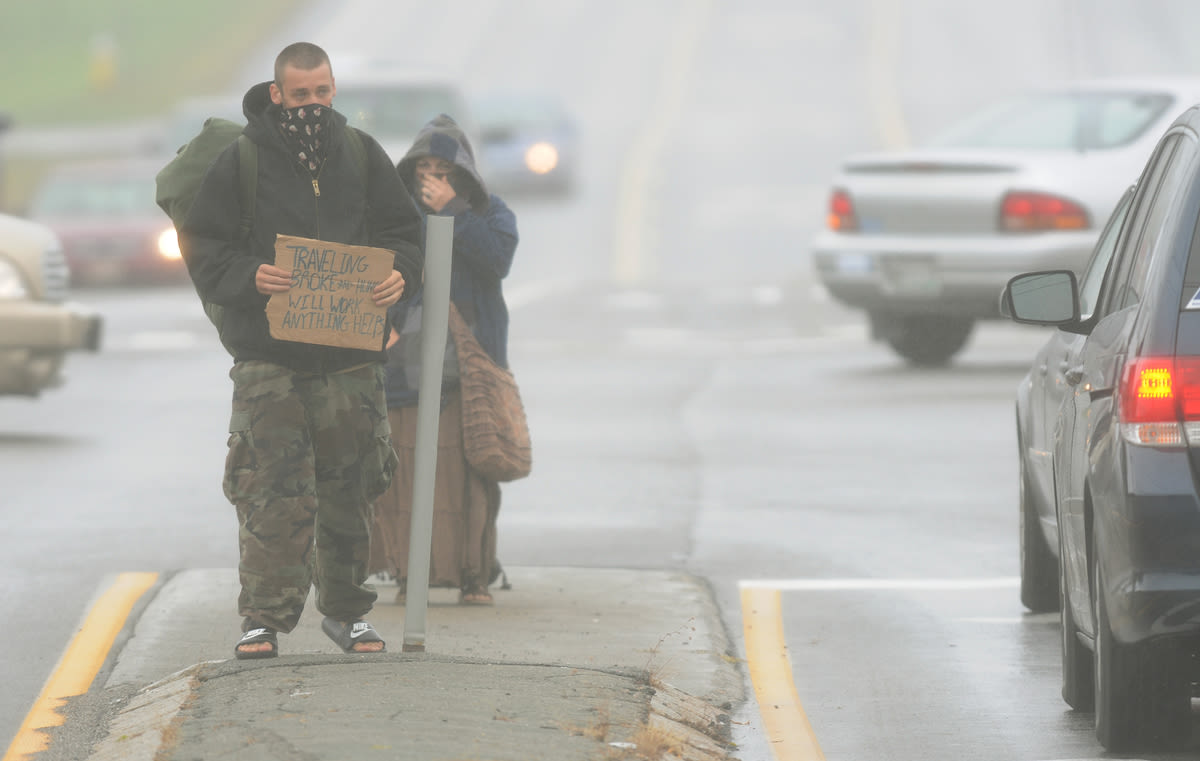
(924, 240)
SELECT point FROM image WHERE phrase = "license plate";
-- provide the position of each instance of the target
(915, 277)
(853, 263)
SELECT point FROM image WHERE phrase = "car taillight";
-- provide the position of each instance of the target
(841, 213)
(1160, 401)
(1035, 212)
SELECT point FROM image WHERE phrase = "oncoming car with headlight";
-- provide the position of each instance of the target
(111, 230)
(37, 325)
(527, 142)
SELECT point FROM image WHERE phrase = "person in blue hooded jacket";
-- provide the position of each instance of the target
(439, 170)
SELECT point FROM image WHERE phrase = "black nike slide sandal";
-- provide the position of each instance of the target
(255, 637)
(347, 634)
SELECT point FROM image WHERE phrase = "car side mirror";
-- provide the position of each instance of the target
(1042, 298)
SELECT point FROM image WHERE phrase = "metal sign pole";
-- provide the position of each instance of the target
(435, 314)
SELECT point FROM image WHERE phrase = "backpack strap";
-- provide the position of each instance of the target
(248, 187)
(359, 151)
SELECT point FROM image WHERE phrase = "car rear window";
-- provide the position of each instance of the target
(399, 110)
(1191, 277)
(1059, 121)
(518, 111)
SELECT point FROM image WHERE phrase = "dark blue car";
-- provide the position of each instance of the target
(1108, 426)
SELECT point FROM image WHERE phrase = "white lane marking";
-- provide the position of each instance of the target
(767, 295)
(179, 340)
(861, 584)
(523, 295)
(987, 620)
(635, 300)
(158, 340)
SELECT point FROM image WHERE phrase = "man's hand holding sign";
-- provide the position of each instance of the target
(329, 293)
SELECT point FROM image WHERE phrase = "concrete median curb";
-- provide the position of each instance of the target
(570, 663)
(322, 707)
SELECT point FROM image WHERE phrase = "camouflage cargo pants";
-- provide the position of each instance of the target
(308, 454)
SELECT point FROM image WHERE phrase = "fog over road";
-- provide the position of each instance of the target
(695, 401)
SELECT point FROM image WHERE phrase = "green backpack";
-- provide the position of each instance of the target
(177, 183)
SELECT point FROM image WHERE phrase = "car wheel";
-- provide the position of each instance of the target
(1078, 687)
(1039, 567)
(1142, 693)
(927, 339)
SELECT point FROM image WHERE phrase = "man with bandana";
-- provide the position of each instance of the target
(309, 442)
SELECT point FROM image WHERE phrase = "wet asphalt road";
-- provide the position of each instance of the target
(694, 401)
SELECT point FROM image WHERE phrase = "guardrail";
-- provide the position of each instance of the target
(125, 138)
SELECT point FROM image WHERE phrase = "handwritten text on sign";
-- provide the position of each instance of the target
(330, 300)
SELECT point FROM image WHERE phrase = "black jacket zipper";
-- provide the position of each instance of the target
(316, 183)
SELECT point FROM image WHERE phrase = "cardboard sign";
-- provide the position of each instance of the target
(330, 301)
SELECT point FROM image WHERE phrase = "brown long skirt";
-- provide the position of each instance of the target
(465, 507)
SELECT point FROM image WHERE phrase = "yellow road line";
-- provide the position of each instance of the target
(634, 262)
(80, 662)
(789, 734)
(883, 55)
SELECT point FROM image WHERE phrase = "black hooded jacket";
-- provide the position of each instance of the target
(223, 267)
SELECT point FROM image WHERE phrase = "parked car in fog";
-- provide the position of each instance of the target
(528, 142)
(38, 327)
(186, 118)
(923, 240)
(1040, 397)
(392, 102)
(1118, 464)
(111, 230)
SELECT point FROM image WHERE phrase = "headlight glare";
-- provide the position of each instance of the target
(12, 285)
(168, 244)
(541, 158)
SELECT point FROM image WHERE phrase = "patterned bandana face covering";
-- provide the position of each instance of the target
(305, 129)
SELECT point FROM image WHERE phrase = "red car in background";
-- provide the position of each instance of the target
(111, 230)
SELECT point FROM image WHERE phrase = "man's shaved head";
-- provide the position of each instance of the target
(300, 55)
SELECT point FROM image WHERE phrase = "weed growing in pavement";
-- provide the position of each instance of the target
(649, 744)
(643, 743)
(656, 670)
(638, 742)
(597, 730)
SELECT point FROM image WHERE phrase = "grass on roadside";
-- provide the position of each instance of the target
(111, 60)
(108, 61)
